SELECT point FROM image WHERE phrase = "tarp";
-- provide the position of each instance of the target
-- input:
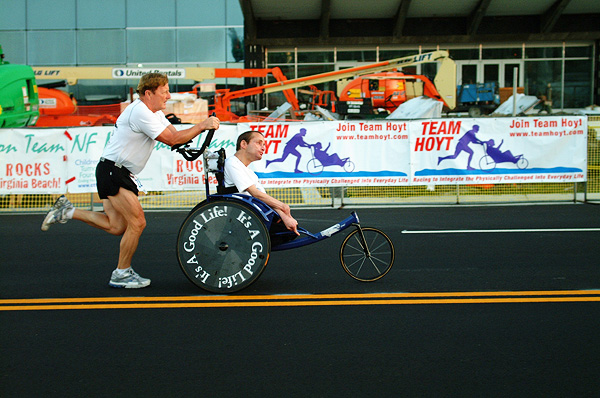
(418, 108)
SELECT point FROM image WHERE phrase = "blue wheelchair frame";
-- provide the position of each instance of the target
(270, 217)
(356, 250)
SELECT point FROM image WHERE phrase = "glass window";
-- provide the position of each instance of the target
(280, 57)
(384, 55)
(42, 48)
(12, 16)
(235, 44)
(491, 74)
(151, 46)
(501, 53)
(150, 13)
(468, 74)
(429, 70)
(314, 57)
(101, 47)
(466, 54)
(56, 14)
(578, 51)
(202, 45)
(510, 76)
(288, 71)
(105, 14)
(200, 13)
(543, 52)
(578, 90)
(544, 78)
(234, 14)
(310, 70)
(13, 46)
(358, 56)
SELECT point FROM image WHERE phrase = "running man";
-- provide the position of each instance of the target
(137, 129)
(463, 146)
(290, 149)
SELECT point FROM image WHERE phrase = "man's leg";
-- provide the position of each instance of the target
(128, 208)
(110, 220)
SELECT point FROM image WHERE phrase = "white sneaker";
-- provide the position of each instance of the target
(58, 213)
(129, 279)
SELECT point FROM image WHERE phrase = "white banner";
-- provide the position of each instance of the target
(33, 161)
(367, 153)
(503, 150)
(304, 154)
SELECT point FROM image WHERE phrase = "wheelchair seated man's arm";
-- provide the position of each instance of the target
(281, 208)
(250, 147)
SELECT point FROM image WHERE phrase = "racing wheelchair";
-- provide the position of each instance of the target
(224, 243)
(493, 156)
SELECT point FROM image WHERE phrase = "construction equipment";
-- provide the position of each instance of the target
(18, 95)
(383, 92)
(58, 109)
(443, 87)
(477, 99)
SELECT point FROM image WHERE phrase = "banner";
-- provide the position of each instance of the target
(33, 161)
(311, 154)
(503, 150)
(367, 153)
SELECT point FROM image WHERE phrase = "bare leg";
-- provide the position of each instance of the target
(123, 215)
(110, 221)
(128, 206)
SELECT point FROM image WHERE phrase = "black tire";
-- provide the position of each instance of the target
(223, 246)
(474, 111)
(367, 260)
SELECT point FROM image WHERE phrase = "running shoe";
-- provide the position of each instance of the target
(58, 212)
(129, 280)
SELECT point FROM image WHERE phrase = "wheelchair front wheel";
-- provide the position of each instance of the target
(367, 254)
(223, 246)
(522, 163)
(349, 166)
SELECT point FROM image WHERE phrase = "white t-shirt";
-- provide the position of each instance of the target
(132, 141)
(236, 173)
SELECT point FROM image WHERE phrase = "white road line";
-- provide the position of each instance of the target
(483, 231)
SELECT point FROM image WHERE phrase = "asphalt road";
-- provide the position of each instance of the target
(482, 301)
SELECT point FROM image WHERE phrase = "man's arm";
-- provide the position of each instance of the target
(171, 136)
(281, 208)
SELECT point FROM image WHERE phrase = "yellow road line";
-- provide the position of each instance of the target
(299, 300)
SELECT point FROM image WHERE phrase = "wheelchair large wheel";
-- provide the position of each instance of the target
(486, 163)
(349, 166)
(367, 254)
(223, 246)
(522, 163)
(314, 166)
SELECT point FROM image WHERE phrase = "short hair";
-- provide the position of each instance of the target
(151, 81)
(245, 136)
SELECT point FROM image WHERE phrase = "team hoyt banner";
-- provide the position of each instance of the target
(310, 154)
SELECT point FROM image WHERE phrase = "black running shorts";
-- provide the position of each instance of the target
(110, 178)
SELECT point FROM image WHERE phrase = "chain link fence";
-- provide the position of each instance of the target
(366, 196)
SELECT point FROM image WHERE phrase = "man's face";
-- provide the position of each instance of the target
(256, 147)
(158, 99)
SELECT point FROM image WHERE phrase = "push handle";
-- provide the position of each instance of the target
(192, 154)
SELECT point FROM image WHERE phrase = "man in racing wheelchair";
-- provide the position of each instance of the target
(238, 177)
